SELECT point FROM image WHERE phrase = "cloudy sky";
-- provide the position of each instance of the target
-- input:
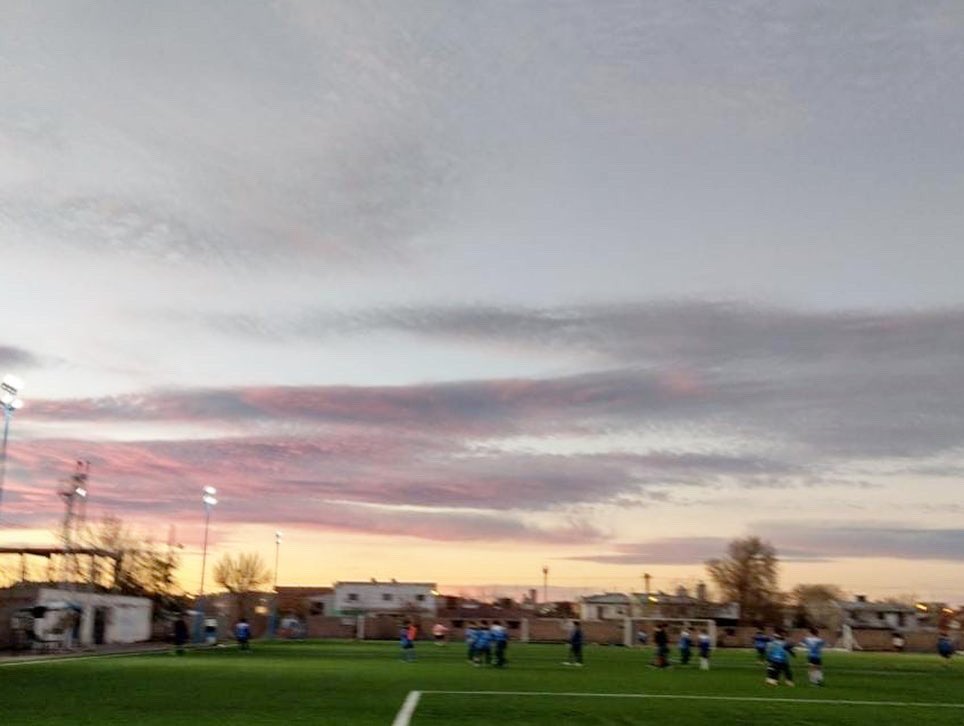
(451, 290)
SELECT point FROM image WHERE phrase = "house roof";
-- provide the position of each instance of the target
(608, 598)
(876, 607)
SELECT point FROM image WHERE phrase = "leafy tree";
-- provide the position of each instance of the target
(747, 575)
(241, 576)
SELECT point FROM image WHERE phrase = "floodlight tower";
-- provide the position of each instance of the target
(10, 401)
(545, 584)
(208, 499)
(74, 492)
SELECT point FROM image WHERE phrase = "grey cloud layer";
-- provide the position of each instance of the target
(16, 358)
(802, 541)
(851, 384)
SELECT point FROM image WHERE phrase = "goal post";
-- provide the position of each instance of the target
(674, 626)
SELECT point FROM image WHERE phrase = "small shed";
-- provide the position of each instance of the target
(73, 617)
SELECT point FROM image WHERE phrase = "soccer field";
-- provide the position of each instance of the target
(365, 683)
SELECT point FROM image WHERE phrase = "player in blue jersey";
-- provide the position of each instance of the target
(814, 645)
(242, 633)
(483, 646)
(778, 653)
(760, 641)
(685, 644)
(705, 646)
(406, 639)
(945, 647)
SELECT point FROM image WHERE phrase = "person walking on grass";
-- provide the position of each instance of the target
(685, 646)
(439, 631)
(470, 633)
(945, 647)
(661, 641)
(500, 637)
(180, 634)
(760, 641)
(242, 633)
(406, 639)
(814, 645)
(575, 645)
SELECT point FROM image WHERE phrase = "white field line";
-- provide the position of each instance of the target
(408, 708)
(75, 658)
(687, 697)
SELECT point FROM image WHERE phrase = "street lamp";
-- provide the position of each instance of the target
(10, 402)
(209, 500)
(274, 603)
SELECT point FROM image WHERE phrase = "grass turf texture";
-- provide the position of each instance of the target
(365, 683)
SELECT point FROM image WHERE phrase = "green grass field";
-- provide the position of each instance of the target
(365, 683)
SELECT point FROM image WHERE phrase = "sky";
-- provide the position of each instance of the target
(451, 291)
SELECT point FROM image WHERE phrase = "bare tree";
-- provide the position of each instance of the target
(817, 606)
(241, 576)
(747, 575)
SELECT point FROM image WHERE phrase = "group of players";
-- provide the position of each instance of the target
(776, 651)
(487, 645)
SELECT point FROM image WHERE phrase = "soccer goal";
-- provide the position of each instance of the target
(674, 626)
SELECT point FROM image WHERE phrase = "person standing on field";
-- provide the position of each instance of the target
(575, 645)
(705, 646)
(661, 640)
(500, 637)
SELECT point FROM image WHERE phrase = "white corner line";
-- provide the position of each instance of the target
(408, 708)
(695, 697)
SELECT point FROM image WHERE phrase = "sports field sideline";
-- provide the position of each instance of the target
(365, 683)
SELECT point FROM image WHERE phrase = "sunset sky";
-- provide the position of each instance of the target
(448, 291)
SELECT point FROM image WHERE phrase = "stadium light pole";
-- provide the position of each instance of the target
(10, 401)
(274, 601)
(209, 500)
(545, 584)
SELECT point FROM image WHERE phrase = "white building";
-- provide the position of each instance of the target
(861, 613)
(375, 597)
(91, 618)
(608, 606)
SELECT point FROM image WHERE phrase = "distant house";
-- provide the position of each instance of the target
(388, 598)
(681, 605)
(304, 601)
(860, 613)
(607, 606)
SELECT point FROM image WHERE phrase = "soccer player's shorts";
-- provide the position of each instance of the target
(815, 660)
(774, 670)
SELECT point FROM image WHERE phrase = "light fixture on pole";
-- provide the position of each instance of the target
(209, 499)
(10, 401)
(75, 490)
(274, 602)
(545, 583)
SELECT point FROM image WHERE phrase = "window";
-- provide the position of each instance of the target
(387, 596)
(420, 598)
(353, 597)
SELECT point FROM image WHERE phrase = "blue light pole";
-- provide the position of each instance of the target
(10, 402)
(209, 500)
